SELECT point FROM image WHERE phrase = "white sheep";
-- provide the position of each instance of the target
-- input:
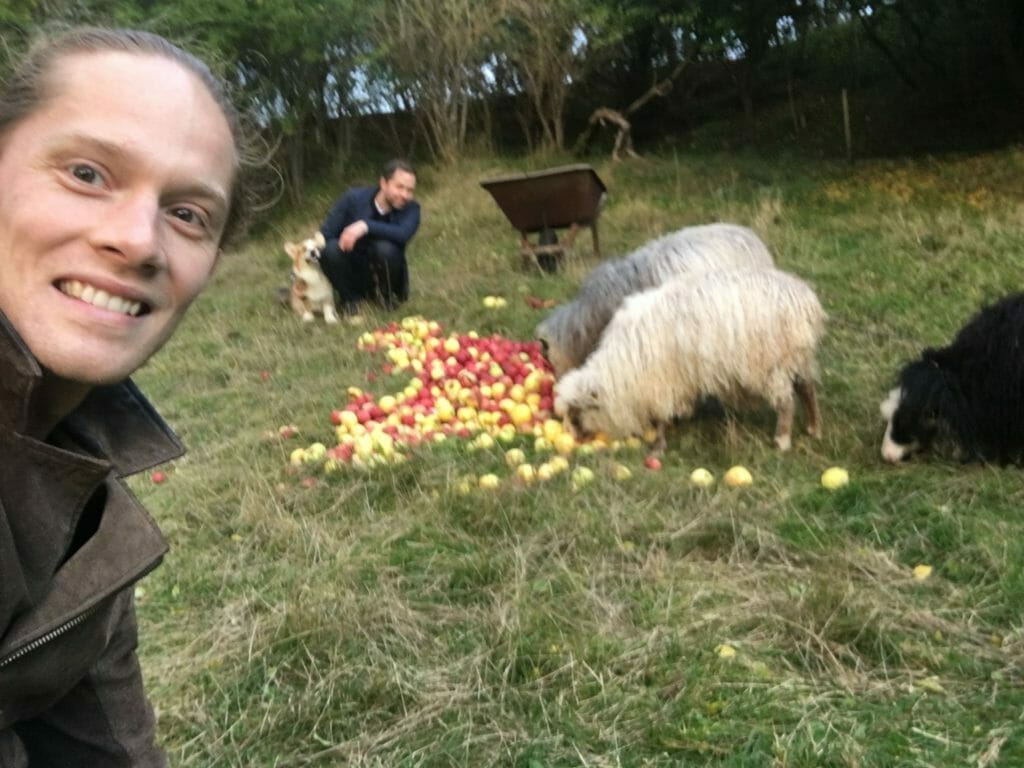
(570, 333)
(727, 334)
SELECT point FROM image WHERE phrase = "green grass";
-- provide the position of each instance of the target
(383, 619)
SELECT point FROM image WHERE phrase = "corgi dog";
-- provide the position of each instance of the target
(310, 289)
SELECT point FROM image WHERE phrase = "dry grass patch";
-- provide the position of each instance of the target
(385, 619)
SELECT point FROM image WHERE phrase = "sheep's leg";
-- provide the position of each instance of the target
(805, 389)
(659, 444)
(784, 409)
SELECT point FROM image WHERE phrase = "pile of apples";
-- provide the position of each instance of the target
(494, 393)
(482, 389)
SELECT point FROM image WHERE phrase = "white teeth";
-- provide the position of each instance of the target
(100, 298)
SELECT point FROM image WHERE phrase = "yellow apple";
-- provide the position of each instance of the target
(701, 478)
(444, 409)
(314, 453)
(834, 477)
(922, 572)
(521, 413)
(621, 472)
(552, 428)
(581, 476)
(725, 651)
(526, 473)
(559, 464)
(564, 443)
(514, 457)
(738, 477)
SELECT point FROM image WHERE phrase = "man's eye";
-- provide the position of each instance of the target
(188, 216)
(86, 174)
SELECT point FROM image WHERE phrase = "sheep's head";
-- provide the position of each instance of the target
(559, 361)
(547, 334)
(578, 405)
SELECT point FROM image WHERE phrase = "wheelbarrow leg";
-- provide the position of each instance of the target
(547, 258)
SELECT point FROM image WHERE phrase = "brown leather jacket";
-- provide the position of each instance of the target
(73, 540)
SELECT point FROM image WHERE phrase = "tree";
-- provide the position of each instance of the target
(549, 45)
(656, 47)
(291, 64)
(434, 53)
(742, 33)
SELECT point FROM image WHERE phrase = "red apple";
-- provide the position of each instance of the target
(158, 477)
(652, 462)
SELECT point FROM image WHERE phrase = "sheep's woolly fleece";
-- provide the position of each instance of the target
(728, 334)
(571, 331)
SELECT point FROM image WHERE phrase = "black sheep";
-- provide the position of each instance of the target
(971, 392)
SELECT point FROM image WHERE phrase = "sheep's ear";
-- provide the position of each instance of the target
(318, 239)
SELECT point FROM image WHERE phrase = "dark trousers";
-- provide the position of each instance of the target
(375, 268)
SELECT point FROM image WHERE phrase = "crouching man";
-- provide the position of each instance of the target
(366, 232)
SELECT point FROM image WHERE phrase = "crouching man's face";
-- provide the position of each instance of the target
(113, 197)
(399, 189)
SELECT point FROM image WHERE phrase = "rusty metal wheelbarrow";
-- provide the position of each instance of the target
(542, 202)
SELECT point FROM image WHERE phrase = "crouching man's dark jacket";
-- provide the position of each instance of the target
(73, 540)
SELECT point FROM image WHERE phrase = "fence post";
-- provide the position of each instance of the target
(846, 128)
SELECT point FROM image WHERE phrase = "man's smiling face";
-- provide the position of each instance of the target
(113, 197)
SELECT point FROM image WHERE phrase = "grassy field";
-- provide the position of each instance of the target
(384, 619)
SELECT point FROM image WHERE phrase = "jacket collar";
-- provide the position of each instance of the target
(115, 423)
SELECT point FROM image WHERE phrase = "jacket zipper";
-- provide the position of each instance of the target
(53, 634)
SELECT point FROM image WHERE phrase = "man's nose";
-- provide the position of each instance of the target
(131, 228)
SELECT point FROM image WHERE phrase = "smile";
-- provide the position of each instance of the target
(100, 298)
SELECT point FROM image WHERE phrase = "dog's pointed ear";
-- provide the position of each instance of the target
(289, 248)
(318, 238)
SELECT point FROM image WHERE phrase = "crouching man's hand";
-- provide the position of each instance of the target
(351, 233)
